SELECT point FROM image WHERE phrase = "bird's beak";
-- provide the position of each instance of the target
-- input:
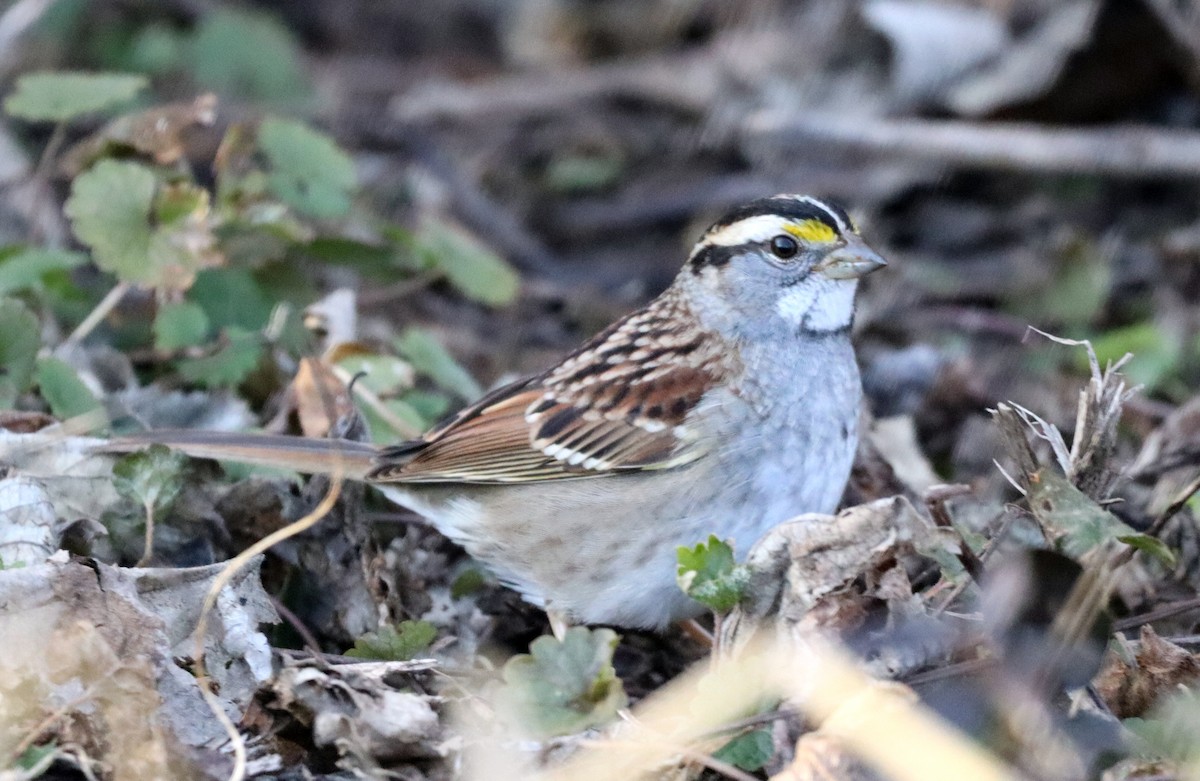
(852, 261)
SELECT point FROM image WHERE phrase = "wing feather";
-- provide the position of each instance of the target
(619, 403)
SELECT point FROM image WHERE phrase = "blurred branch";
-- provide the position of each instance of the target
(691, 81)
(1127, 151)
(1183, 27)
(14, 22)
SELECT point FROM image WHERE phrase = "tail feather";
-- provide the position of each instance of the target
(354, 460)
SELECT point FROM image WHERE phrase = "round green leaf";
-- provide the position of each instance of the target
(52, 96)
(181, 324)
(231, 297)
(229, 365)
(565, 686)
(152, 478)
(247, 53)
(399, 643)
(109, 209)
(749, 751)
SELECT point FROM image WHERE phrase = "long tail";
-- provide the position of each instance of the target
(300, 454)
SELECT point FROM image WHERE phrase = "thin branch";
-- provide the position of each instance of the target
(1169, 610)
(1133, 151)
(97, 315)
(310, 640)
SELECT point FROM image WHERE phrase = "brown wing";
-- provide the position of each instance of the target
(618, 403)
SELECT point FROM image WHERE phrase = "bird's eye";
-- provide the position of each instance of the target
(784, 247)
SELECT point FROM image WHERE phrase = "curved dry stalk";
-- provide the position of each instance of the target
(223, 578)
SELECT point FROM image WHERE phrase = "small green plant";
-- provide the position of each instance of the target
(566, 686)
(709, 574)
(399, 643)
(219, 261)
(749, 751)
(151, 479)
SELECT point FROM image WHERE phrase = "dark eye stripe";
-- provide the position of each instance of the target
(715, 255)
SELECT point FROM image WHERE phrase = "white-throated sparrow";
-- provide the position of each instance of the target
(727, 405)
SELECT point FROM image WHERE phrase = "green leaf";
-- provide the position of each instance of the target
(18, 350)
(1156, 353)
(564, 687)
(383, 375)
(180, 324)
(231, 297)
(431, 406)
(371, 260)
(471, 266)
(248, 54)
(109, 210)
(1151, 546)
(308, 170)
(62, 389)
(1169, 731)
(1075, 294)
(229, 365)
(429, 358)
(1078, 525)
(468, 582)
(384, 430)
(709, 574)
(584, 173)
(152, 478)
(748, 751)
(57, 96)
(27, 268)
(36, 760)
(158, 49)
(399, 643)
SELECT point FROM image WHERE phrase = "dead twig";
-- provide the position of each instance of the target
(935, 501)
(1169, 610)
(310, 640)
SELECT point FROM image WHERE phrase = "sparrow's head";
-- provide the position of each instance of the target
(789, 260)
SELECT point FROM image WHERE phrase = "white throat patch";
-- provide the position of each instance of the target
(817, 304)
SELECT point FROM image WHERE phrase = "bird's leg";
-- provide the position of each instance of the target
(558, 623)
(696, 631)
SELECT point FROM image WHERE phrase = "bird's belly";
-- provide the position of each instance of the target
(603, 549)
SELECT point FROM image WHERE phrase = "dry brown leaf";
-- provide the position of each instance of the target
(1158, 668)
(156, 133)
(94, 647)
(321, 398)
(820, 571)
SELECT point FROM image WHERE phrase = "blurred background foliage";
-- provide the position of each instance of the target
(276, 151)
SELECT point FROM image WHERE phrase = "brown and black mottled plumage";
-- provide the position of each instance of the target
(618, 402)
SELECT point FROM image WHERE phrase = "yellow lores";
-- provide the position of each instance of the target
(811, 231)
